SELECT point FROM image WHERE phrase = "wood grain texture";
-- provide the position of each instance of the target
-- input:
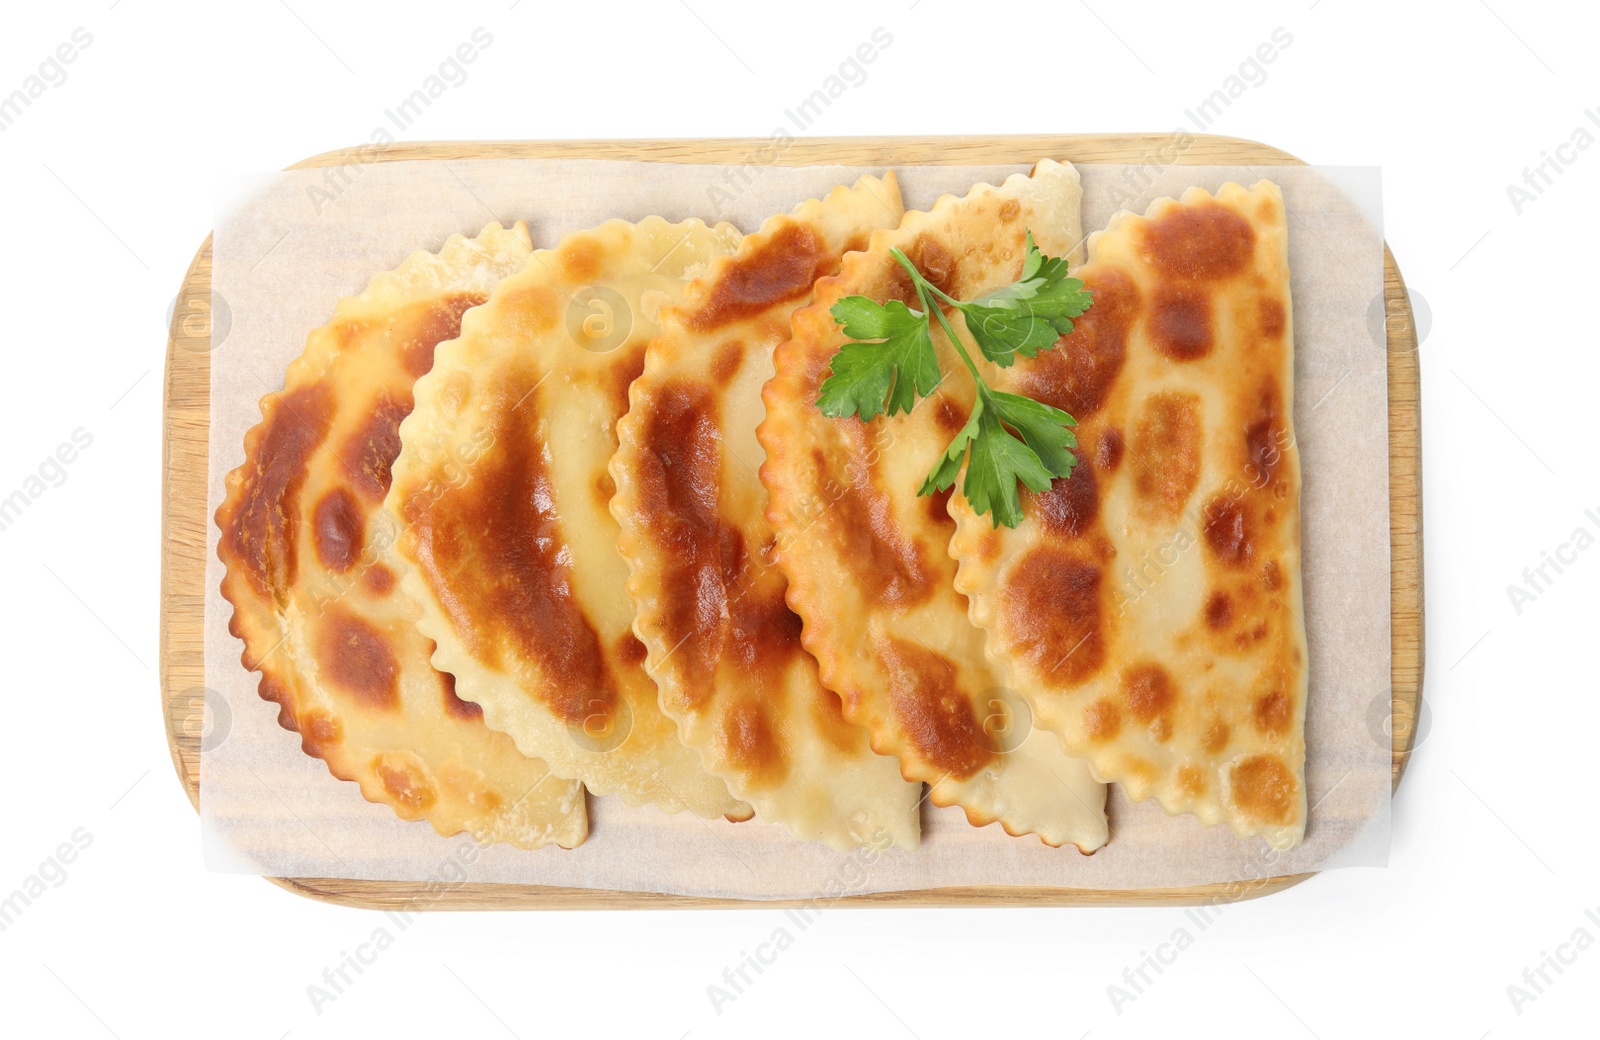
(185, 519)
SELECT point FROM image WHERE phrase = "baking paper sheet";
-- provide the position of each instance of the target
(289, 245)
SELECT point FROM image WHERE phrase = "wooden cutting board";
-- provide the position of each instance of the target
(185, 520)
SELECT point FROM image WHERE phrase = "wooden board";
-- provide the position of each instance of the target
(184, 517)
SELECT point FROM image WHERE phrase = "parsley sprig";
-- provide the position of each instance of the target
(890, 362)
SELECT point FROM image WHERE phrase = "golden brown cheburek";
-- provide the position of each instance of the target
(1170, 560)
(867, 559)
(722, 644)
(313, 585)
(502, 487)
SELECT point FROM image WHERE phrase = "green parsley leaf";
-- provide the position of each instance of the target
(999, 458)
(892, 359)
(1028, 315)
(944, 474)
(1044, 429)
(995, 462)
(1009, 438)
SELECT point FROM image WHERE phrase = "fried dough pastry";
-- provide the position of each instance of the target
(722, 644)
(867, 559)
(312, 581)
(1168, 564)
(502, 489)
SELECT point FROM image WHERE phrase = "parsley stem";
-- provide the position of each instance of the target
(923, 287)
(955, 341)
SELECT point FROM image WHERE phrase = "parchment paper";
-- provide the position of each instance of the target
(289, 245)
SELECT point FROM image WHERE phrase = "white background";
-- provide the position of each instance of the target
(109, 180)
